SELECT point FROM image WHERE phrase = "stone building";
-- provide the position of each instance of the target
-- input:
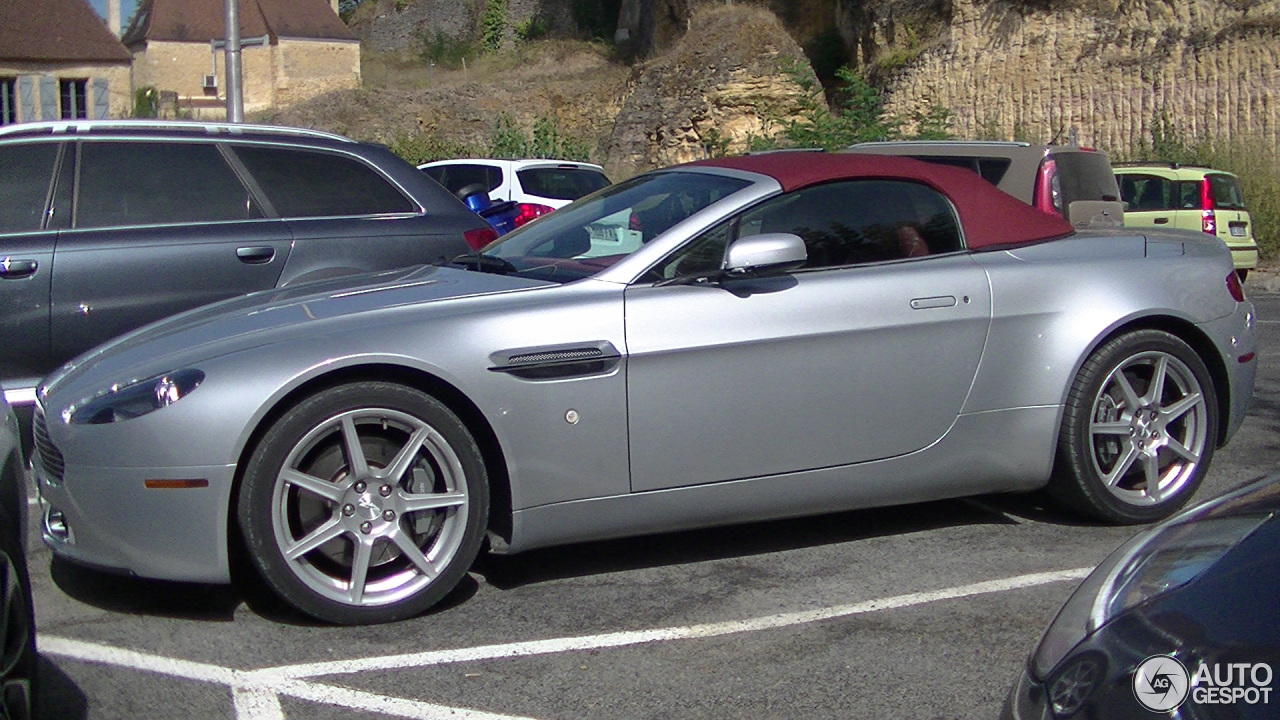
(291, 50)
(58, 60)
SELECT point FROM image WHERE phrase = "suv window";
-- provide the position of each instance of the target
(1148, 192)
(305, 183)
(454, 177)
(152, 183)
(1226, 193)
(25, 174)
(1084, 176)
(992, 169)
(561, 183)
(842, 224)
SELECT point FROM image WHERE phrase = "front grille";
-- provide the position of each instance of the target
(50, 459)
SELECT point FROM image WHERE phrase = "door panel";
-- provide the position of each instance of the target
(109, 281)
(816, 369)
(26, 264)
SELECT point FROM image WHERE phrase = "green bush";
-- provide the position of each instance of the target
(544, 140)
(418, 148)
(447, 52)
(493, 25)
(146, 102)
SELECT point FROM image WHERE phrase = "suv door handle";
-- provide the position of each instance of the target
(256, 255)
(11, 269)
(1161, 221)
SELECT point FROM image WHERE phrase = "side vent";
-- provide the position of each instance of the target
(555, 363)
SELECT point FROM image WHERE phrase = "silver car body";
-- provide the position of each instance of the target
(690, 406)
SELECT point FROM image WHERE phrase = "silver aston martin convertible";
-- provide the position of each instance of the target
(719, 342)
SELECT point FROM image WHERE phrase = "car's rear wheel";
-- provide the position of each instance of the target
(364, 503)
(1138, 431)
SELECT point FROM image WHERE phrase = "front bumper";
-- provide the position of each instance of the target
(109, 519)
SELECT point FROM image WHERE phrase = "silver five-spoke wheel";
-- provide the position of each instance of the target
(365, 503)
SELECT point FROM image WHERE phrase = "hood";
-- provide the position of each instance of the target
(272, 315)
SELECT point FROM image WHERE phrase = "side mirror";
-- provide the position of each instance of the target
(766, 254)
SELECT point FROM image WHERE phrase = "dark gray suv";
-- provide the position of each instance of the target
(108, 225)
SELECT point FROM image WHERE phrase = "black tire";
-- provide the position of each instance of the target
(360, 545)
(18, 664)
(1128, 453)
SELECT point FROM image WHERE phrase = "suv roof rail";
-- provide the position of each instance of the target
(1160, 163)
(74, 127)
(959, 143)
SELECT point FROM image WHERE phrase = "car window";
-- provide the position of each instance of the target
(1147, 192)
(26, 171)
(1085, 176)
(1189, 194)
(843, 223)
(561, 183)
(456, 176)
(992, 169)
(309, 183)
(1225, 191)
(586, 237)
(151, 183)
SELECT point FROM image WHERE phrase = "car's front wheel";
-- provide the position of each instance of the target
(1138, 430)
(364, 503)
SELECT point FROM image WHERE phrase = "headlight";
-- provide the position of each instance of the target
(122, 402)
(1154, 562)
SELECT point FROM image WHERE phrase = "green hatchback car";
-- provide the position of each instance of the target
(1190, 198)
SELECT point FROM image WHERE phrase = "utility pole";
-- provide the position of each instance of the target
(235, 97)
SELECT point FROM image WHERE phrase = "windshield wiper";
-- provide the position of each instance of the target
(481, 262)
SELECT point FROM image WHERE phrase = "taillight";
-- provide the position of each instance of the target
(529, 211)
(479, 237)
(1208, 221)
(633, 222)
(1234, 287)
(1046, 194)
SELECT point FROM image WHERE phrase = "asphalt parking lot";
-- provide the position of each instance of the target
(922, 611)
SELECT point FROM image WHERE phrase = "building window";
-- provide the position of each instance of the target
(8, 101)
(75, 101)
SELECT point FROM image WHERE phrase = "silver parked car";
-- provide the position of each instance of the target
(719, 342)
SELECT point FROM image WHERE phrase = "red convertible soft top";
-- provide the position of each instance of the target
(990, 217)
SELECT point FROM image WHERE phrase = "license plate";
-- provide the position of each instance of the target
(1237, 231)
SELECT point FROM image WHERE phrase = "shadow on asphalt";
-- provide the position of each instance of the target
(633, 553)
(123, 593)
(59, 697)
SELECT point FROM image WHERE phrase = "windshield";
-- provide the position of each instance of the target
(590, 235)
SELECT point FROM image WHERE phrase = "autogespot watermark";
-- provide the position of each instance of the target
(1162, 683)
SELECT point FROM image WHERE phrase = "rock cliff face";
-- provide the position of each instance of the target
(1112, 69)
(715, 89)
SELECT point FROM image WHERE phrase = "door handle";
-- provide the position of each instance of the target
(11, 269)
(255, 255)
(940, 301)
(1162, 221)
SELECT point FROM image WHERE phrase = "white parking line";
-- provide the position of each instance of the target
(256, 693)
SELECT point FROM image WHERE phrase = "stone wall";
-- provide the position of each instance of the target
(306, 68)
(1210, 68)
